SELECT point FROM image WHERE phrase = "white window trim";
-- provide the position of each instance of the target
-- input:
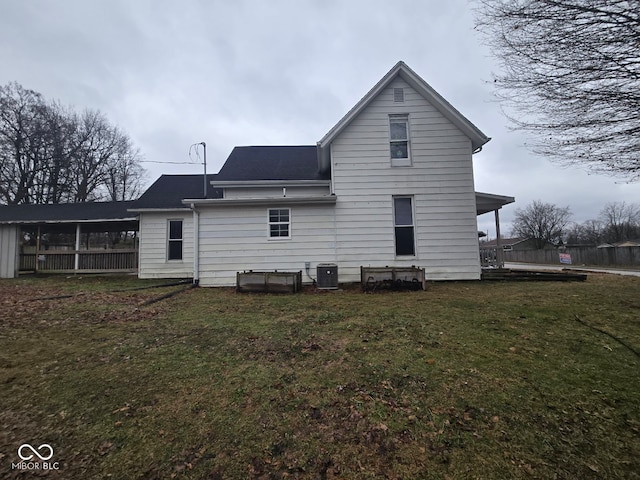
(269, 223)
(169, 240)
(401, 162)
(413, 225)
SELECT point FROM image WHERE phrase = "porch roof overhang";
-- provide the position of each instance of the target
(489, 202)
(93, 216)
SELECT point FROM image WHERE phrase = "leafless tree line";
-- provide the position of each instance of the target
(617, 222)
(570, 75)
(549, 224)
(52, 154)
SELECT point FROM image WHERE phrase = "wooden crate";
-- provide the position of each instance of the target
(269, 282)
(392, 278)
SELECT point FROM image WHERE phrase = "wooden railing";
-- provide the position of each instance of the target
(489, 257)
(80, 260)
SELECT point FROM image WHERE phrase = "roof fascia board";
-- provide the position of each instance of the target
(270, 183)
(157, 210)
(494, 197)
(478, 139)
(358, 107)
(326, 200)
(97, 220)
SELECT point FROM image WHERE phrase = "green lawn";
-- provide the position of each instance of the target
(465, 380)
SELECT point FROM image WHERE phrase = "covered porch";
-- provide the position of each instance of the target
(95, 237)
(485, 203)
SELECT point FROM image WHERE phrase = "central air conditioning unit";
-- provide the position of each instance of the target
(327, 274)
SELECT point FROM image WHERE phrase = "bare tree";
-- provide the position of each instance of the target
(571, 71)
(51, 154)
(543, 222)
(621, 221)
(21, 128)
(587, 233)
(124, 175)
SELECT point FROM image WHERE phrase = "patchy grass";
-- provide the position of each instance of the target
(465, 380)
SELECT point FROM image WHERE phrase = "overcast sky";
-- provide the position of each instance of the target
(258, 72)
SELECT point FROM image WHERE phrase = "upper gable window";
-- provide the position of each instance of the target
(398, 95)
(399, 140)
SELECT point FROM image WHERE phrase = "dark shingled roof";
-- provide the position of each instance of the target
(271, 163)
(168, 191)
(66, 212)
(244, 164)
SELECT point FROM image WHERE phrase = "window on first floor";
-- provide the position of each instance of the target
(175, 240)
(279, 223)
(404, 226)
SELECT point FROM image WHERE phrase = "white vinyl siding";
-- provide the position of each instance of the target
(440, 183)
(359, 230)
(9, 254)
(153, 246)
(275, 192)
(232, 239)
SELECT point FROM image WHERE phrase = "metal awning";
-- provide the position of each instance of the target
(489, 202)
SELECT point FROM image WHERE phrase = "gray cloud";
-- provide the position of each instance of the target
(249, 72)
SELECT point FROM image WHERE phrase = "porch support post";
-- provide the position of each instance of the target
(76, 266)
(38, 249)
(499, 251)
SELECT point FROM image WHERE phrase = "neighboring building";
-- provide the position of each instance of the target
(390, 184)
(509, 244)
(626, 243)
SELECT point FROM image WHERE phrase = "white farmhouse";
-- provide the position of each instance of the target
(391, 184)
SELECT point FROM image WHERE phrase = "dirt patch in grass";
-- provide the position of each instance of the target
(465, 380)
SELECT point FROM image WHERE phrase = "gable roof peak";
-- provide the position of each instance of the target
(478, 139)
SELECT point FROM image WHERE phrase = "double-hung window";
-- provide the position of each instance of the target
(174, 242)
(399, 140)
(279, 223)
(404, 226)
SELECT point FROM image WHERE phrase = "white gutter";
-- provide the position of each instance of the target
(196, 245)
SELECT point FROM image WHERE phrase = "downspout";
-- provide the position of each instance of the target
(196, 245)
